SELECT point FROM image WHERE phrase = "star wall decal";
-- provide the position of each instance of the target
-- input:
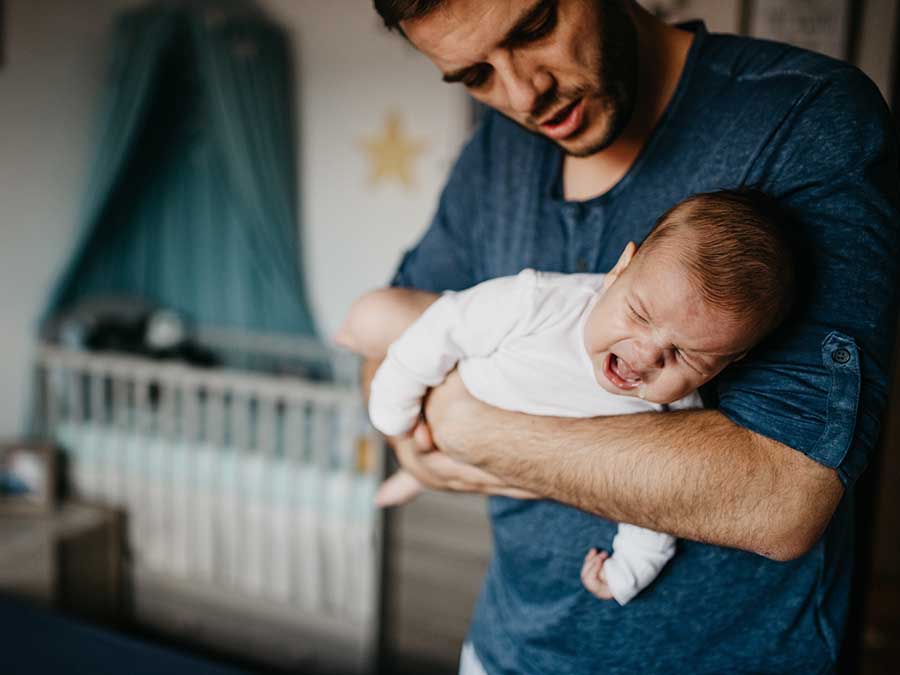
(392, 153)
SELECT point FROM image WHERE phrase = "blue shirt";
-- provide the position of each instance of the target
(810, 131)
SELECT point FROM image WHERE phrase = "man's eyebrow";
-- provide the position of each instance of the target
(456, 75)
(513, 36)
(526, 20)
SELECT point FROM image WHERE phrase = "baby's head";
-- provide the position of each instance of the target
(713, 277)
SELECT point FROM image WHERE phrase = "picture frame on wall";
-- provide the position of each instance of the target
(27, 477)
(818, 25)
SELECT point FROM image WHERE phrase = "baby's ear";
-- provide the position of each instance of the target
(624, 260)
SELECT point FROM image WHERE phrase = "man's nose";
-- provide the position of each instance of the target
(523, 84)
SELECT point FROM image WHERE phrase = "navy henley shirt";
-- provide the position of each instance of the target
(810, 131)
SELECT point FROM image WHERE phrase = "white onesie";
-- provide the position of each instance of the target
(518, 343)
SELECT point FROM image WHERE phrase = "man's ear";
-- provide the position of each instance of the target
(624, 260)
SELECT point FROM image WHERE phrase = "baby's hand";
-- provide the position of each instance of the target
(399, 489)
(592, 574)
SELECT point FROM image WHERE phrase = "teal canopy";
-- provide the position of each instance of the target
(192, 199)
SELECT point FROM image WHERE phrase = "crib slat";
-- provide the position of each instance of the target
(75, 381)
(216, 431)
(95, 380)
(51, 380)
(267, 423)
(295, 445)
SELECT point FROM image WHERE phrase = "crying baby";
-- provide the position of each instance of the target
(713, 278)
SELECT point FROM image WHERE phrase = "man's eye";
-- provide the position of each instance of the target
(542, 26)
(476, 77)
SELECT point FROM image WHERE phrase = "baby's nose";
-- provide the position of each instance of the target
(649, 356)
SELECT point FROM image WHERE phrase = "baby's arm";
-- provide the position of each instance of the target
(459, 325)
(374, 321)
(423, 346)
(638, 557)
(379, 317)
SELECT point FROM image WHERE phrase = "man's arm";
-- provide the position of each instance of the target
(694, 474)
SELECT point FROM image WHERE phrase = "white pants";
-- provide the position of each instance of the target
(468, 661)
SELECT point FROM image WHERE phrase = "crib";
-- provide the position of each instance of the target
(248, 494)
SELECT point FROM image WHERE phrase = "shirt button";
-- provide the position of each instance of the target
(841, 355)
(581, 265)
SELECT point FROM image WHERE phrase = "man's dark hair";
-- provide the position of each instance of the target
(393, 12)
(736, 251)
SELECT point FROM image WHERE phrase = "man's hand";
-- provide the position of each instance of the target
(436, 470)
(449, 400)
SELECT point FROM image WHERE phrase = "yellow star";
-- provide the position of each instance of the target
(392, 153)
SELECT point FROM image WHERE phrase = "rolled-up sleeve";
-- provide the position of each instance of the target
(820, 383)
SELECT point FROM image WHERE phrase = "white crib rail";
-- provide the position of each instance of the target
(255, 485)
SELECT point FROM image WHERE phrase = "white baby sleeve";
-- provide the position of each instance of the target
(638, 556)
(466, 324)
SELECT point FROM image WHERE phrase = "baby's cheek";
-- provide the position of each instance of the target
(671, 389)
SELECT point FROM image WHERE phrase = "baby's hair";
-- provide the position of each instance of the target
(736, 251)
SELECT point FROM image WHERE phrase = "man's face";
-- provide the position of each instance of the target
(566, 69)
(651, 334)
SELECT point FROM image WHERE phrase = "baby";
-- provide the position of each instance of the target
(711, 279)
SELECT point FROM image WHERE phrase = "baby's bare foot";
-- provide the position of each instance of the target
(592, 574)
(400, 488)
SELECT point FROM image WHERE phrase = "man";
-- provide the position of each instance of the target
(607, 118)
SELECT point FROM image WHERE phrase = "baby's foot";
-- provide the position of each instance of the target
(400, 488)
(592, 574)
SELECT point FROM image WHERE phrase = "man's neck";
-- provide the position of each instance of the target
(663, 52)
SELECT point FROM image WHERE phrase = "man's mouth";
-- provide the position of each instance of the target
(565, 122)
(620, 373)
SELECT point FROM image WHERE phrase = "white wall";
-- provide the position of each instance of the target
(49, 81)
(352, 72)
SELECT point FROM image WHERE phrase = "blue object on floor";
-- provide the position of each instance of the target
(35, 641)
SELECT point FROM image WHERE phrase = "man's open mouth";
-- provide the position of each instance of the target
(565, 122)
(620, 373)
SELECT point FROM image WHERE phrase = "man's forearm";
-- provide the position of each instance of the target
(694, 474)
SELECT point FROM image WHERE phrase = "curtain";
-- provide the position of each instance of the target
(192, 201)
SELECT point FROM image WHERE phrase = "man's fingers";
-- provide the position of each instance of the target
(422, 434)
(438, 471)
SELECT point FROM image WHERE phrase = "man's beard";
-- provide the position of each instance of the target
(617, 72)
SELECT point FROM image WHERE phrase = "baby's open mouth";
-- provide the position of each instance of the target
(620, 373)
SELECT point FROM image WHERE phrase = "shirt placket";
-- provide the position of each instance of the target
(583, 229)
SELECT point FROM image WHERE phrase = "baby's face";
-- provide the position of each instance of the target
(651, 334)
